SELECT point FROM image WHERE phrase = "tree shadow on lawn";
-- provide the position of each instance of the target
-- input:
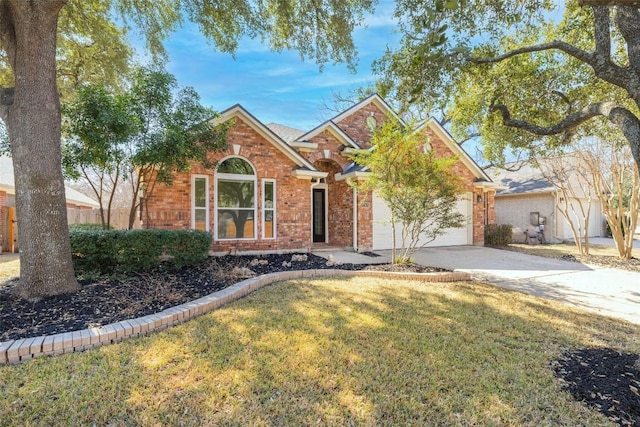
(332, 352)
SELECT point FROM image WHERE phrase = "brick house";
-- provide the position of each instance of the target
(281, 189)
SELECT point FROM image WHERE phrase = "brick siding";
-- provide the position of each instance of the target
(170, 206)
(468, 179)
(354, 124)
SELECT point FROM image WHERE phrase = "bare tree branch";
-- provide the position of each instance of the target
(607, 71)
(469, 137)
(567, 124)
(602, 33)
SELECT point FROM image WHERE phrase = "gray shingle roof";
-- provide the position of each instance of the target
(286, 133)
(527, 179)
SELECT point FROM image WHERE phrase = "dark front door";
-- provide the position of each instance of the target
(319, 229)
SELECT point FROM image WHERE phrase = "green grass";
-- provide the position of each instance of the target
(328, 352)
(9, 267)
(556, 250)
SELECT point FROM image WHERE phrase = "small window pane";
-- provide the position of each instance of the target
(235, 224)
(201, 219)
(235, 194)
(268, 224)
(268, 195)
(200, 192)
(235, 166)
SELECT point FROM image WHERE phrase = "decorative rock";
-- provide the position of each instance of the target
(242, 272)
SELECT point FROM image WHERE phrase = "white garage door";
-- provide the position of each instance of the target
(383, 238)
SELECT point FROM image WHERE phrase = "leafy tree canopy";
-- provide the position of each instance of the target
(528, 75)
(30, 96)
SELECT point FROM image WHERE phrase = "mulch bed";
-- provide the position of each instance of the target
(605, 380)
(104, 300)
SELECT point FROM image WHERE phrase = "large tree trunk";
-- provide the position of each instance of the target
(33, 123)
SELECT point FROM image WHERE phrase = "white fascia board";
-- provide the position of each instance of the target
(309, 174)
(446, 137)
(358, 175)
(375, 98)
(304, 146)
(239, 111)
(332, 128)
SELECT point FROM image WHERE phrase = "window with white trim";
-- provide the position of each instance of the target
(268, 208)
(200, 202)
(235, 200)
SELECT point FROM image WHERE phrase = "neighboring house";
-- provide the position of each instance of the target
(281, 189)
(527, 199)
(75, 199)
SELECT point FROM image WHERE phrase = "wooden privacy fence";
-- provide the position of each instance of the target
(8, 229)
(9, 223)
(119, 217)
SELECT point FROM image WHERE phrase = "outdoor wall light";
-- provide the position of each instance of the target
(479, 198)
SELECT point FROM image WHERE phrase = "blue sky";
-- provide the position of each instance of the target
(276, 87)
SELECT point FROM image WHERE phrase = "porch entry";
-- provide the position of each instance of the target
(319, 215)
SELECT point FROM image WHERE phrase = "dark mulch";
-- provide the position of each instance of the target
(605, 380)
(104, 300)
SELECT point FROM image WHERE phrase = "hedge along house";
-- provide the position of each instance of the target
(280, 189)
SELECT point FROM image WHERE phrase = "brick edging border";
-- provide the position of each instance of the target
(15, 351)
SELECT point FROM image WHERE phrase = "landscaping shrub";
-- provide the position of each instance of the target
(126, 251)
(498, 235)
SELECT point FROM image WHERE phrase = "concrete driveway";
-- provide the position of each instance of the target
(606, 291)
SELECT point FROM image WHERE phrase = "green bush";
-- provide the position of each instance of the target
(498, 235)
(127, 251)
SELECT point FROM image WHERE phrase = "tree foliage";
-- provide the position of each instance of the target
(420, 189)
(98, 123)
(29, 99)
(143, 135)
(527, 75)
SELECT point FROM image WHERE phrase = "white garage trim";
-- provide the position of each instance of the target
(382, 230)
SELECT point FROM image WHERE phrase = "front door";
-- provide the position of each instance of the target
(319, 220)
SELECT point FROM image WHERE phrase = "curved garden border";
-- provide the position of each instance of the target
(15, 351)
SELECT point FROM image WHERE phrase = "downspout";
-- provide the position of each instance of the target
(355, 219)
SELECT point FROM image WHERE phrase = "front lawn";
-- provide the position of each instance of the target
(329, 352)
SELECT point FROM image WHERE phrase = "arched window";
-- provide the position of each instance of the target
(235, 199)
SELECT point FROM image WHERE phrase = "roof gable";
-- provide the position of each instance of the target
(446, 137)
(332, 128)
(237, 111)
(375, 99)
